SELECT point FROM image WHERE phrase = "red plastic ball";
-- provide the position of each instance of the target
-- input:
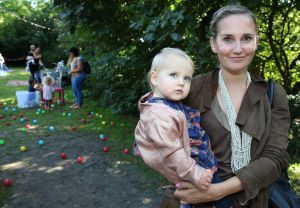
(6, 182)
(126, 151)
(105, 149)
(63, 155)
(80, 159)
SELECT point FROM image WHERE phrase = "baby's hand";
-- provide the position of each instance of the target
(205, 179)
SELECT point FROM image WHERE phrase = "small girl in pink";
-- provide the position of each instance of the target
(48, 89)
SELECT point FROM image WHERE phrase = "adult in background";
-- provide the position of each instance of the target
(29, 56)
(248, 138)
(36, 65)
(77, 76)
(2, 67)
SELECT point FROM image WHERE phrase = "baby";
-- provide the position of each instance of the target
(168, 135)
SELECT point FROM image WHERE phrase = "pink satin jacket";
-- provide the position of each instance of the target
(162, 139)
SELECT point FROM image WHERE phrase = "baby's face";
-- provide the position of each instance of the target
(173, 79)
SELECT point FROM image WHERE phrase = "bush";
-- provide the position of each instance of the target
(294, 136)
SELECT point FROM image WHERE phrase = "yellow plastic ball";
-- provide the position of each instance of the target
(23, 148)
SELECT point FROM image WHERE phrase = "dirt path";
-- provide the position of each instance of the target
(42, 179)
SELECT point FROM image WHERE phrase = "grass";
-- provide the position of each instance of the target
(118, 129)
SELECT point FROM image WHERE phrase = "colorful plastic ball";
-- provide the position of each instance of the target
(1, 116)
(103, 139)
(25, 119)
(112, 123)
(83, 120)
(2, 142)
(6, 182)
(27, 126)
(63, 155)
(7, 124)
(37, 113)
(105, 149)
(103, 122)
(21, 120)
(87, 113)
(24, 129)
(74, 128)
(126, 151)
(51, 128)
(79, 159)
(14, 109)
(23, 148)
(14, 117)
(34, 121)
(39, 110)
(6, 108)
(69, 114)
(21, 114)
(100, 116)
(92, 113)
(41, 142)
(101, 136)
(43, 111)
(91, 116)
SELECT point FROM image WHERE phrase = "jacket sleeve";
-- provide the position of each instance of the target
(165, 134)
(263, 171)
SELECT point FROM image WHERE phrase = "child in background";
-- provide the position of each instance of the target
(48, 89)
(168, 135)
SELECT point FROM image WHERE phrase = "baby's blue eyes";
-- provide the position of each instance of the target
(174, 75)
(187, 78)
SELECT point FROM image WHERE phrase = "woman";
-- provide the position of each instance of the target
(35, 65)
(248, 139)
(77, 76)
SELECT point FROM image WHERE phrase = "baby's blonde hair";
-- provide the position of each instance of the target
(160, 58)
(48, 80)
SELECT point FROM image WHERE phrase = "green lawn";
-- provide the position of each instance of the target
(118, 129)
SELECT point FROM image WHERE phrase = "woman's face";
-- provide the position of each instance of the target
(235, 43)
(71, 55)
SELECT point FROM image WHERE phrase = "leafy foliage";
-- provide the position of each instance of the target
(22, 25)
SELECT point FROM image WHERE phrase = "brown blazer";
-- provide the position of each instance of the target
(269, 129)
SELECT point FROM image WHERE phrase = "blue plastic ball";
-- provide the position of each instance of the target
(69, 114)
(39, 110)
(41, 142)
(34, 121)
(6, 108)
(51, 128)
(14, 109)
(21, 120)
(101, 136)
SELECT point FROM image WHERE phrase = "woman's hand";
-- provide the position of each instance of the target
(191, 194)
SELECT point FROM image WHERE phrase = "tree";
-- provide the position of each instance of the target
(23, 25)
(279, 40)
